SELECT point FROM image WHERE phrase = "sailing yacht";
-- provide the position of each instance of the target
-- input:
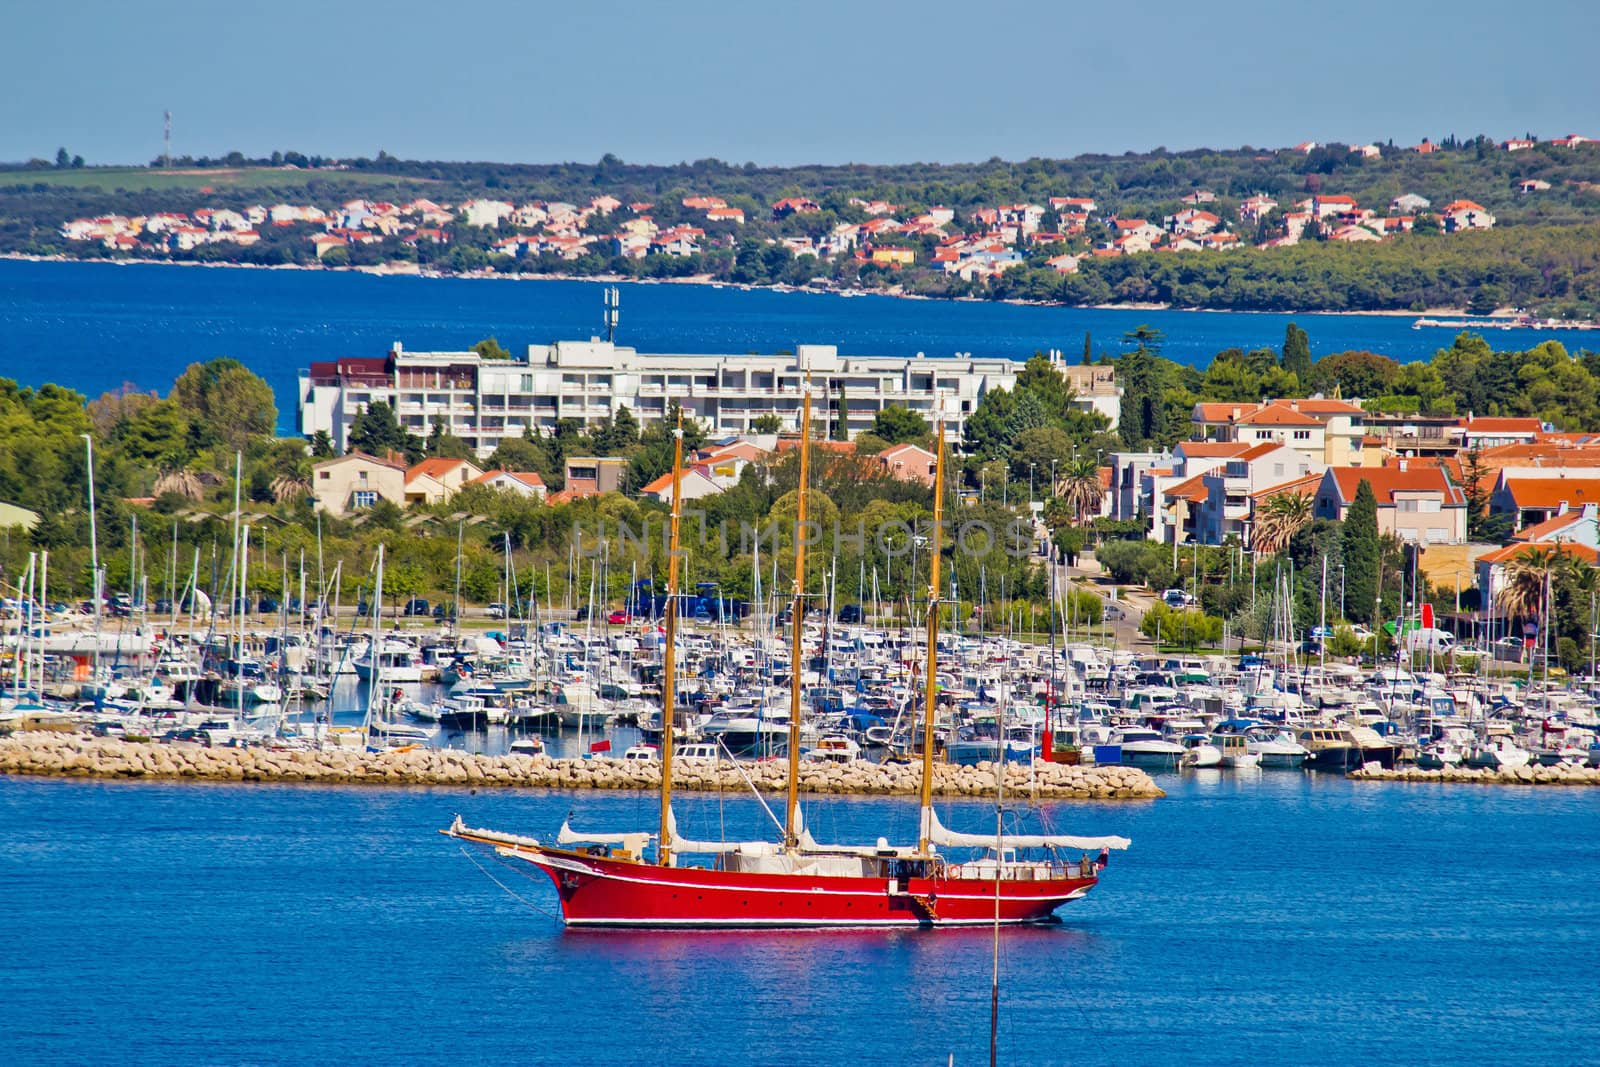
(610, 880)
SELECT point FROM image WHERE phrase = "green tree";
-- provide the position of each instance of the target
(768, 423)
(897, 424)
(1360, 547)
(321, 445)
(1296, 352)
(841, 421)
(376, 431)
(445, 445)
(226, 404)
(489, 348)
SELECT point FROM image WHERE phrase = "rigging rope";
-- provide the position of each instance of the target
(509, 891)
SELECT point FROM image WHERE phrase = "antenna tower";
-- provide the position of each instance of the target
(613, 311)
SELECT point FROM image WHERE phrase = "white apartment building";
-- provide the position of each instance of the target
(483, 401)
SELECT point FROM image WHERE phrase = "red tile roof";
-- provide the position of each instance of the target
(1386, 481)
(1548, 493)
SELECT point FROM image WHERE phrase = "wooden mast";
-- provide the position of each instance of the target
(925, 820)
(797, 614)
(669, 658)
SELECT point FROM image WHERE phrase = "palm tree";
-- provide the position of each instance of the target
(1280, 518)
(286, 487)
(1081, 487)
(179, 480)
(1527, 572)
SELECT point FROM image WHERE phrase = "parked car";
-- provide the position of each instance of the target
(582, 614)
(444, 613)
(417, 606)
(163, 606)
(267, 605)
(362, 609)
(619, 618)
(1115, 612)
(1177, 598)
(850, 613)
(495, 611)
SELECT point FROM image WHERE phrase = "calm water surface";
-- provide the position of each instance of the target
(1288, 918)
(94, 326)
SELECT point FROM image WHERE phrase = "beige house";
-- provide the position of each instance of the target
(434, 480)
(355, 482)
(908, 463)
(1418, 505)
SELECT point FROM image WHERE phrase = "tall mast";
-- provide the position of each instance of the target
(669, 656)
(925, 820)
(797, 614)
(94, 555)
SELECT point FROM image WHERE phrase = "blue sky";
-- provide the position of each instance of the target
(823, 81)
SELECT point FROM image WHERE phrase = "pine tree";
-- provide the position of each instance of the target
(841, 422)
(1296, 352)
(1359, 542)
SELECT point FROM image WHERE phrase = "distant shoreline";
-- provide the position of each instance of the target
(709, 282)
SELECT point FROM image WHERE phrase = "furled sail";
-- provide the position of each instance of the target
(747, 848)
(633, 842)
(939, 835)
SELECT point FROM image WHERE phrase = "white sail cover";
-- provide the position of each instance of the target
(939, 835)
(747, 848)
(633, 842)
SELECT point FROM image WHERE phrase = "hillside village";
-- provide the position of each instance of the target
(972, 244)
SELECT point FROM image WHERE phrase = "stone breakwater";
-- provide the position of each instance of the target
(77, 756)
(1563, 774)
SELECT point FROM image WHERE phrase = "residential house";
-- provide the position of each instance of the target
(1255, 208)
(1571, 140)
(1419, 505)
(1409, 204)
(1175, 493)
(1465, 215)
(1491, 432)
(1200, 196)
(521, 483)
(1532, 500)
(794, 205)
(1329, 431)
(592, 476)
(1226, 510)
(356, 481)
(1518, 144)
(1128, 471)
(485, 213)
(1574, 533)
(438, 479)
(1533, 185)
(908, 463)
(693, 484)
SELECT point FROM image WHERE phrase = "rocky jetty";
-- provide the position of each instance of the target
(79, 756)
(1562, 774)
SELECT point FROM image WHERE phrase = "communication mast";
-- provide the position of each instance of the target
(613, 311)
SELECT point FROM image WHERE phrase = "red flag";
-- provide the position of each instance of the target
(1427, 616)
(600, 746)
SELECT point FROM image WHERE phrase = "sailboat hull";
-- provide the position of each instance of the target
(601, 891)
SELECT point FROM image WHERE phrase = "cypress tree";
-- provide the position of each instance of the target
(1296, 352)
(1359, 542)
(841, 425)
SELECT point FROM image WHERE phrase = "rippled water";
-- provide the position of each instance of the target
(93, 326)
(1289, 918)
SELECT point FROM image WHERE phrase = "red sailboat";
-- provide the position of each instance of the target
(619, 880)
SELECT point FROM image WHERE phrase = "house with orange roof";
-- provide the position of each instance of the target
(1533, 500)
(1329, 431)
(1129, 471)
(437, 479)
(1571, 140)
(725, 214)
(908, 463)
(693, 484)
(1465, 215)
(1419, 505)
(1490, 432)
(1180, 511)
(703, 203)
(1255, 208)
(1227, 510)
(794, 205)
(521, 483)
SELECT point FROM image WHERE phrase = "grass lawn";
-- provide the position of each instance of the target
(107, 179)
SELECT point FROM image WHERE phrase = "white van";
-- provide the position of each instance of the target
(1435, 640)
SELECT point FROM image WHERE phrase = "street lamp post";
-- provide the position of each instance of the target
(1052, 477)
(1341, 591)
(1030, 485)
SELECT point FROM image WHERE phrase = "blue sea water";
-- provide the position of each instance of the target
(94, 326)
(1285, 919)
